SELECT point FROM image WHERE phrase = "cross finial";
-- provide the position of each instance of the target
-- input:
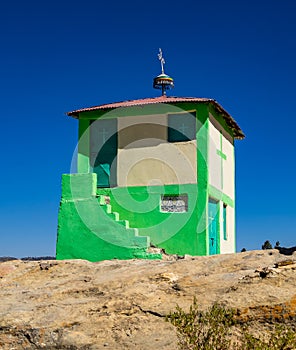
(162, 81)
(162, 61)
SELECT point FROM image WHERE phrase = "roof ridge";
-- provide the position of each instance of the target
(163, 99)
(130, 103)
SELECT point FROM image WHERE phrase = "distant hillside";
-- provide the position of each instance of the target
(29, 258)
(286, 251)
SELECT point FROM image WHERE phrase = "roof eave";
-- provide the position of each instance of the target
(237, 132)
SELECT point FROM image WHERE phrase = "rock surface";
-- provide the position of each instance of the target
(76, 304)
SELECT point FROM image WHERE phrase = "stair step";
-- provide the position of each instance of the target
(141, 241)
(124, 223)
(114, 216)
(101, 200)
(127, 235)
(106, 208)
(132, 232)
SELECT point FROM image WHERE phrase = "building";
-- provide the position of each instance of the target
(155, 171)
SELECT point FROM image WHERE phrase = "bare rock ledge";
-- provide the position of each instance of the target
(76, 304)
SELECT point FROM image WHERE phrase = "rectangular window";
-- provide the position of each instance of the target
(181, 127)
(225, 221)
(174, 203)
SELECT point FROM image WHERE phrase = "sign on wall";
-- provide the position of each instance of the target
(174, 203)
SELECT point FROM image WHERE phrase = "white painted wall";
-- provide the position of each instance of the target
(223, 179)
(217, 172)
(157, 165)
(152, 161)
(214, 161)
(228, 169)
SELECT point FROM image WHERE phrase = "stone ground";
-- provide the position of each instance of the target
(76, 304)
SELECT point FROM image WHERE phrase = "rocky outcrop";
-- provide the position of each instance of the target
(75, 304)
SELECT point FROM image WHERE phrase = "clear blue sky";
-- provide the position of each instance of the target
(57, 56)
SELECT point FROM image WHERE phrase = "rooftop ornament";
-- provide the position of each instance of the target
(163, 81)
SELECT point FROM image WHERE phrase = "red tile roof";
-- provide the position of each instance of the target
(238, 133)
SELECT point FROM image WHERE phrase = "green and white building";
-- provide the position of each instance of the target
(151, 172)
(155, 172)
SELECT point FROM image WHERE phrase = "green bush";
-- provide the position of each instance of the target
(216, 329)
(281, 337)
(266, 245)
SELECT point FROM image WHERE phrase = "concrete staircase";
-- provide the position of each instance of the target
(89, 229)
(130, 233)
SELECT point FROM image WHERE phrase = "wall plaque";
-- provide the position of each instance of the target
(174, 204)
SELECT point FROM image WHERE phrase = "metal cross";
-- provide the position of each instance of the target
(162, 61)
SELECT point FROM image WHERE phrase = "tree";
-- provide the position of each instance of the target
(277, 244)
(266, 245)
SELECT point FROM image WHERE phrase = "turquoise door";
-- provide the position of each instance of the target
(213, 226)
(103, 151)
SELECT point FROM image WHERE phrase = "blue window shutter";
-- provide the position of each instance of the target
(181, 127)
(104, 142)
(103, 173)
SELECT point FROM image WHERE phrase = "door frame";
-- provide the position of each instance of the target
(218, 222)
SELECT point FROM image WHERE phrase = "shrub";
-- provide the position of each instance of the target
(200, 330)
(216, 329)
(281, 337)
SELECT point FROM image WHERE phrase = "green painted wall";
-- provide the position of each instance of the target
(217, 194)
(202, 136)
(88, 229)
(175, 232)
